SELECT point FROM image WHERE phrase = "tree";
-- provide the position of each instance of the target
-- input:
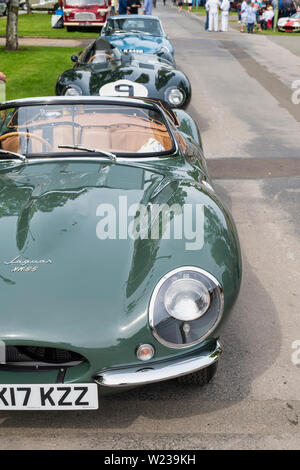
(12, 25)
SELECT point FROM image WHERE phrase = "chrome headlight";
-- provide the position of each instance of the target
(73, 91)
(164, 50)
(185, 307)
(174, 96)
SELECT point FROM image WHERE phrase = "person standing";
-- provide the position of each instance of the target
(213, 10)
(238, 10)
(2, 77)
(148, 4)
(296, 4)
(225, 7)
(207, 15)
(113, 8)
(122, 7)
(251, 17)
(244, 7)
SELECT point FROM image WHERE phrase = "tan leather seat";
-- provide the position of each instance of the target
(96, 137)
(65, 135)
(133, 138)
(12, 144)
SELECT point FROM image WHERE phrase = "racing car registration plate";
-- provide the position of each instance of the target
(49, 397)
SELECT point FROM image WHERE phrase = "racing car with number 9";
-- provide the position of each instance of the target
(103, 70)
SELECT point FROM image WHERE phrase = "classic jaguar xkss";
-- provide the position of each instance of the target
(119, 263)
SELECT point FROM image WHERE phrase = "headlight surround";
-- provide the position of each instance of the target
(186, 306)
(164, 50)
(175, 96)
(72, 90)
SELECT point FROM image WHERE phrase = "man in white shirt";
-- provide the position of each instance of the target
(244, 7)
(213, 18)
(225, 7)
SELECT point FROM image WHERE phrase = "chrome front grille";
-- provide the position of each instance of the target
(85, 16)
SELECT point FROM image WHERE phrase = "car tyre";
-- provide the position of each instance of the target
(201, 377)
(70, 29)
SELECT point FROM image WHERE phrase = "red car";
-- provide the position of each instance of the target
(85, 13)
(290, 23)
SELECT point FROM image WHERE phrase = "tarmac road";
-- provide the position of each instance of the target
(250, 128)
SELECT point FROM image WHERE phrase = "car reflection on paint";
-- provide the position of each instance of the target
(120, 262)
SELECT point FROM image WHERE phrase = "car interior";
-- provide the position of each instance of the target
(123, 130)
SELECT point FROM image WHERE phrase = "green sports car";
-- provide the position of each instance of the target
(119, 262)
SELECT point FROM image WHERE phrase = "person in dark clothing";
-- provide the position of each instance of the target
(122, 7)
(133, 6)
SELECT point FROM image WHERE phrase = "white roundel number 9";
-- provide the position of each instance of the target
(123, 88)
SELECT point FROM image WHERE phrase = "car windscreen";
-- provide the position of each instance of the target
(83, 3)
(100, 52)
(119, 129)
(125, 25)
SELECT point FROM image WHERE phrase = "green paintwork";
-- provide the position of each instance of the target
(93, 298)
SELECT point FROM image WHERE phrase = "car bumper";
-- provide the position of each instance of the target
(159, 371)
(85, 23)
(289, 29)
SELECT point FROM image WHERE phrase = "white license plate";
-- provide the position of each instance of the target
(49, 397)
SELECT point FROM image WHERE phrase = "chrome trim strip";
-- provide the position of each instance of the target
(95, 159)
(153, 297)
(44, 100)
(157, 372)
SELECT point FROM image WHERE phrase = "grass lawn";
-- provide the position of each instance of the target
(39, 24)
(32, 71)
(270, 32)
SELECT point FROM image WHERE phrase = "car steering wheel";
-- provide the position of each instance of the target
(26, 134)
(98, 54)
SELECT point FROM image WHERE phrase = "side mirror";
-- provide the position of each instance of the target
(74, 58)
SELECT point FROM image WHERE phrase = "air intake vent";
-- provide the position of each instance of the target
(40, 354)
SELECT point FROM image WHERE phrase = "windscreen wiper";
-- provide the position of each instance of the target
(19, 155)
(110, 155)
(138, 31)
